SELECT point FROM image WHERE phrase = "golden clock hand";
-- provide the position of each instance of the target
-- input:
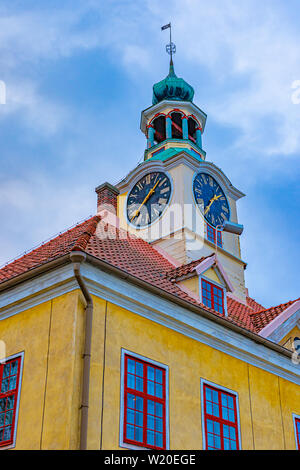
(215, 198)
(144, 201)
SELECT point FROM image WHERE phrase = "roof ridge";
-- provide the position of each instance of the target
(45, 242)
(84, 238)
(284, 304)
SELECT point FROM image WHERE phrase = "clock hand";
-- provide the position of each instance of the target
(215, 198)
(144, 201)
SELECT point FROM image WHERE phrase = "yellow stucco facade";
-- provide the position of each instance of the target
(51, 335)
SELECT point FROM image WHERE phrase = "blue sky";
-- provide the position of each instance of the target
(78, 73)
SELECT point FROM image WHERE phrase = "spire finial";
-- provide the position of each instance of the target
(170, 48)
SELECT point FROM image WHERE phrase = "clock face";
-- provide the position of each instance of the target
(211, 199)
(148, 199)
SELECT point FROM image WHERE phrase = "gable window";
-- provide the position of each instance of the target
(9, 396)
(220, 418)
(211, 235)
(212, 296)
(297, 430)
(144, 403)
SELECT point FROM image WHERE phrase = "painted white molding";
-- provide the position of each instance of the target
(151, 306)
(213, 262)
(188, 323)
(220, 387)
(181, 157)
(155, 363)
(282, 323)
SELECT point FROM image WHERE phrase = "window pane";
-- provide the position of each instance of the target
(231, 416)
(139, 384)
(139, 403)
(4, 387)
(226, 444)
(139, 418)
(158, 439)
(210, 440)
(230, 402)
(215, 396)
(151, 407)
(138, 434)
(158, 390)
(208, 394)
(150, 438)
(130, 416)
(130, 381)
(158, 376)
(139, 369)
(8, 417)
(7, 433)
(217, 428)
(150, 373)
(159, 409)
(13, 382)
(130, 432)
(130, 401)
(150, 388)
(209, 408)
(233, 445)
(216, 410)
(150, 422)
(2, 404)
(14, 368)
(6, 370)
(10, 402)
(131, 366)
(217, 442)
(2, 415)
(210, 426)
(158, 424)
(225, 413)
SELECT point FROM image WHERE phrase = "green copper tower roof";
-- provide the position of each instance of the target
(172, 88)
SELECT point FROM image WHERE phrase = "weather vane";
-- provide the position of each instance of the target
(170, 48)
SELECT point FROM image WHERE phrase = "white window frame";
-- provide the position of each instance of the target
(158, 364)
(224, 389)
(3, 361)
(295, 429)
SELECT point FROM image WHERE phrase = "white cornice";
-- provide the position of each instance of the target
(180, 158)
(149, 305)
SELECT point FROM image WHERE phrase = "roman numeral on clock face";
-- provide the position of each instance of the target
(148, 198)
(210, 199)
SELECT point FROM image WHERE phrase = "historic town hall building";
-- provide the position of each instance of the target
(135, 329)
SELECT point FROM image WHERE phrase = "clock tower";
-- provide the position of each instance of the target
(176, 199)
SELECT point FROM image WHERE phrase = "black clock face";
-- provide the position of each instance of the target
(211, 199)
(148, 199)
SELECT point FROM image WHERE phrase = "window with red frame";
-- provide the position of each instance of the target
(213, 296)
(297, 429)
(144, 404)
(220, 419)
(9, 385)
(211, 235)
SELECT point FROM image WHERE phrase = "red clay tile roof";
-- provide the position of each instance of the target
(77, 236)
(262, 318)
(138, 258)
(185, 269)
